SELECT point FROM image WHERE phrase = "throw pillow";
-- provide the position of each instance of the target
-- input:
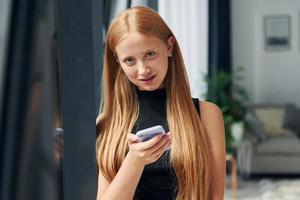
(255, 126)
(272, 120)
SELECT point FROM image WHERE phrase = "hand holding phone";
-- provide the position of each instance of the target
(148, 133)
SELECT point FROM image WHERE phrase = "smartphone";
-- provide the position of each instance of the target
(148, 133)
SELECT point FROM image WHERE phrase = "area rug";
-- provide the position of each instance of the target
(266, 189)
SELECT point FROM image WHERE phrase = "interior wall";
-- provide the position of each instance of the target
(269, 76)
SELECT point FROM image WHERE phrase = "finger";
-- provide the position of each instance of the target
(157, 157)
(161, 149)
(169, 146)
(159, 152)
(143, 146)
(161, 143)
(169, 134)
(132, 138)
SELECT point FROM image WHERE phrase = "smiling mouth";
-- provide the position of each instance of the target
(148, 79)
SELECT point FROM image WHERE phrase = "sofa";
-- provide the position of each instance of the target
(271, 145)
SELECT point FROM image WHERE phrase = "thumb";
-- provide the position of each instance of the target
(132, 138)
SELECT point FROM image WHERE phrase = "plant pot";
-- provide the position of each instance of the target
(237, 131)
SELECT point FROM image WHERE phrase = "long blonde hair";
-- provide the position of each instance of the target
(190, 151)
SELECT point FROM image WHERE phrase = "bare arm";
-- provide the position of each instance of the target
(125, 182)
(213, 123)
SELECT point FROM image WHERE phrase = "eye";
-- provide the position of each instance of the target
(150, 55)
(129, 61)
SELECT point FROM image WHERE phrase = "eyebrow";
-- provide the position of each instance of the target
(152, 49)
(144, 52)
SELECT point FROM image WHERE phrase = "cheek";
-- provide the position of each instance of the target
(129, 72)
(164, 65)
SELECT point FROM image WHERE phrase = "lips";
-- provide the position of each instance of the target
(148, 78)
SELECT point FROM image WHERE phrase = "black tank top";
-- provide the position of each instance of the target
(158, 180)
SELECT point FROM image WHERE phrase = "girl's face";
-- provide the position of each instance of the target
(144, 59)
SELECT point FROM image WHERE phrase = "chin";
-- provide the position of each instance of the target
(150, 88)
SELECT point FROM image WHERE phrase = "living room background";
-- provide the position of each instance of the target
(269, 76)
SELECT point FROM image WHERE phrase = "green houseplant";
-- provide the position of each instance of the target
(223, 89)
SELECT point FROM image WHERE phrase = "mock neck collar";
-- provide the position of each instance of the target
(154, 93)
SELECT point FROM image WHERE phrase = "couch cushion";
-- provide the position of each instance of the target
(281, 145)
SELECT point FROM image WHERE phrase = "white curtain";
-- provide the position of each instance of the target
(189, 22)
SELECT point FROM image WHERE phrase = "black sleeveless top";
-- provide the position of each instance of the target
(158, 180)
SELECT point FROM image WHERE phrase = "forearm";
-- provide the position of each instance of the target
(125, 182)
(217, 196)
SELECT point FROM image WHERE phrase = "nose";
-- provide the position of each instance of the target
(143, 69)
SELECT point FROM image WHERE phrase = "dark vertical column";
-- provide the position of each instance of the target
(219, 36)
(98, 42)
(77, 58)
(27, 145)
(153, 4)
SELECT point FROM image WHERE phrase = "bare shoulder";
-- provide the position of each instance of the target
(210, 112)
(212, 120)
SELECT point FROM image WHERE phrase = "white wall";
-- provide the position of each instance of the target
(269, 76)
(189, 23)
